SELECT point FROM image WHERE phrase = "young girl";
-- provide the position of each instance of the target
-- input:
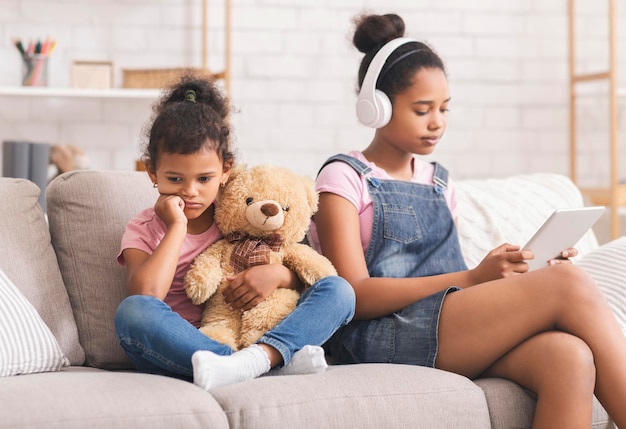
(188, 158)
(386, 221)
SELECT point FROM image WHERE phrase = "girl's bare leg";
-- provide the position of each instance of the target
(481, 325)
(559, 368)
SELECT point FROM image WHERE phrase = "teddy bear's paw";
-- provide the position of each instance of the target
(324, 268)
(308, 263)
(309, 276)
(197, 292)
(221, 335)
(202, 279)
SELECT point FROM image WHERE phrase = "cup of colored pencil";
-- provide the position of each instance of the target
(35, 61)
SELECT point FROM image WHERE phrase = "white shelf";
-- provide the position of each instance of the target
(119, 93)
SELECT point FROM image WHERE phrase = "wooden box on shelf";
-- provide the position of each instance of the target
(92, 74)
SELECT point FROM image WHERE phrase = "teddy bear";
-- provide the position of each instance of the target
(264, 213)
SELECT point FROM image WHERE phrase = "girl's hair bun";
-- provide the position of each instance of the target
(373, 31)
(195, 86)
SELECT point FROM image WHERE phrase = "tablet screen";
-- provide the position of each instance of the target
(563, 229)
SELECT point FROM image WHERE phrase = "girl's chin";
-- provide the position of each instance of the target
(193, 213)
(425, 150)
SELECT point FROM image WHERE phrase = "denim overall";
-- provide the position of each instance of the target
(413, 235)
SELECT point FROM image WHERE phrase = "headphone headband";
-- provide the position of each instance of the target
(372, 109)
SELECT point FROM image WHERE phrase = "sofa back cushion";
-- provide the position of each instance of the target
(28, 259)
(88, 212)
(494, 211)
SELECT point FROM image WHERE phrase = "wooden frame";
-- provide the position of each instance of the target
(225, 74)
(615, 195)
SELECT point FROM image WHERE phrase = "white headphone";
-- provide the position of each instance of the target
(373, 107)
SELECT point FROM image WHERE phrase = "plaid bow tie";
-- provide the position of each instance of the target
(249, 251)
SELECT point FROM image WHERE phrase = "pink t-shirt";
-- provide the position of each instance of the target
(341, 179)
(144, 232)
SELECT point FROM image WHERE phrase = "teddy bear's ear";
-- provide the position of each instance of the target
(312, 196)
(235, 171)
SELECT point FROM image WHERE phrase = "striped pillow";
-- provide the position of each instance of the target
(607, 266)
(27, 345)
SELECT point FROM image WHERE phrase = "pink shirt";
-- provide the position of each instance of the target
(341, 179)
(144, 232)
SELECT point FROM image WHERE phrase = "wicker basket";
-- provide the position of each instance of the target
(150, 78)
(159, 78)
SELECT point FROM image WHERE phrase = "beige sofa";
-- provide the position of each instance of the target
(66, 268)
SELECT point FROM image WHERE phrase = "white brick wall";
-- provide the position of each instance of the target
(294, 73)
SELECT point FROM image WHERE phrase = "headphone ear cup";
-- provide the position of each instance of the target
(384, 109)
(373, 107)
(374, 113)
(367, 111)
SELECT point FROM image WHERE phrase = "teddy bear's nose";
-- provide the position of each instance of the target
(269, 209)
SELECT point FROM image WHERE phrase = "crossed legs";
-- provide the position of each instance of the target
(550, 331)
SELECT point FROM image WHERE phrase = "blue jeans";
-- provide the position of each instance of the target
(159, 341)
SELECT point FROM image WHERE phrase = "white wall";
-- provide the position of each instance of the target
(295, 72)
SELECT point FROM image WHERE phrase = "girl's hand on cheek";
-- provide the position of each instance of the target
(170, 208)
(503, 261)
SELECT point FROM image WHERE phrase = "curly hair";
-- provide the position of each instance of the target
(191, 114)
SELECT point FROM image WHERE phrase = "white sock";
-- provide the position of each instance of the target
(211, 370)
(307, 360)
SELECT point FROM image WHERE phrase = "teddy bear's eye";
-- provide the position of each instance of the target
(286, 208)
(249, 200)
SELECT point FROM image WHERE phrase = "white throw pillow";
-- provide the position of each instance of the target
(607, 266)
(27, 345)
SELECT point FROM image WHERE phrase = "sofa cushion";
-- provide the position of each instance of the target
(494, 211)
(88, 212)
(512, 406)
(28, 259)
(607, 266)
(357, 396)
(81, 397)
(28, 346)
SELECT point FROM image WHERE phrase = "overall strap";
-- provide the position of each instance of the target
(357, 165)
(440, 177)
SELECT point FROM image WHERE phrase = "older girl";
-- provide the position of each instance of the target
(386, 221)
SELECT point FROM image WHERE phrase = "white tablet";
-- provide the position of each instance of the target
(563, 229)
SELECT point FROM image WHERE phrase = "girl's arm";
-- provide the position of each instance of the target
(153, 274)
(337, 224)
